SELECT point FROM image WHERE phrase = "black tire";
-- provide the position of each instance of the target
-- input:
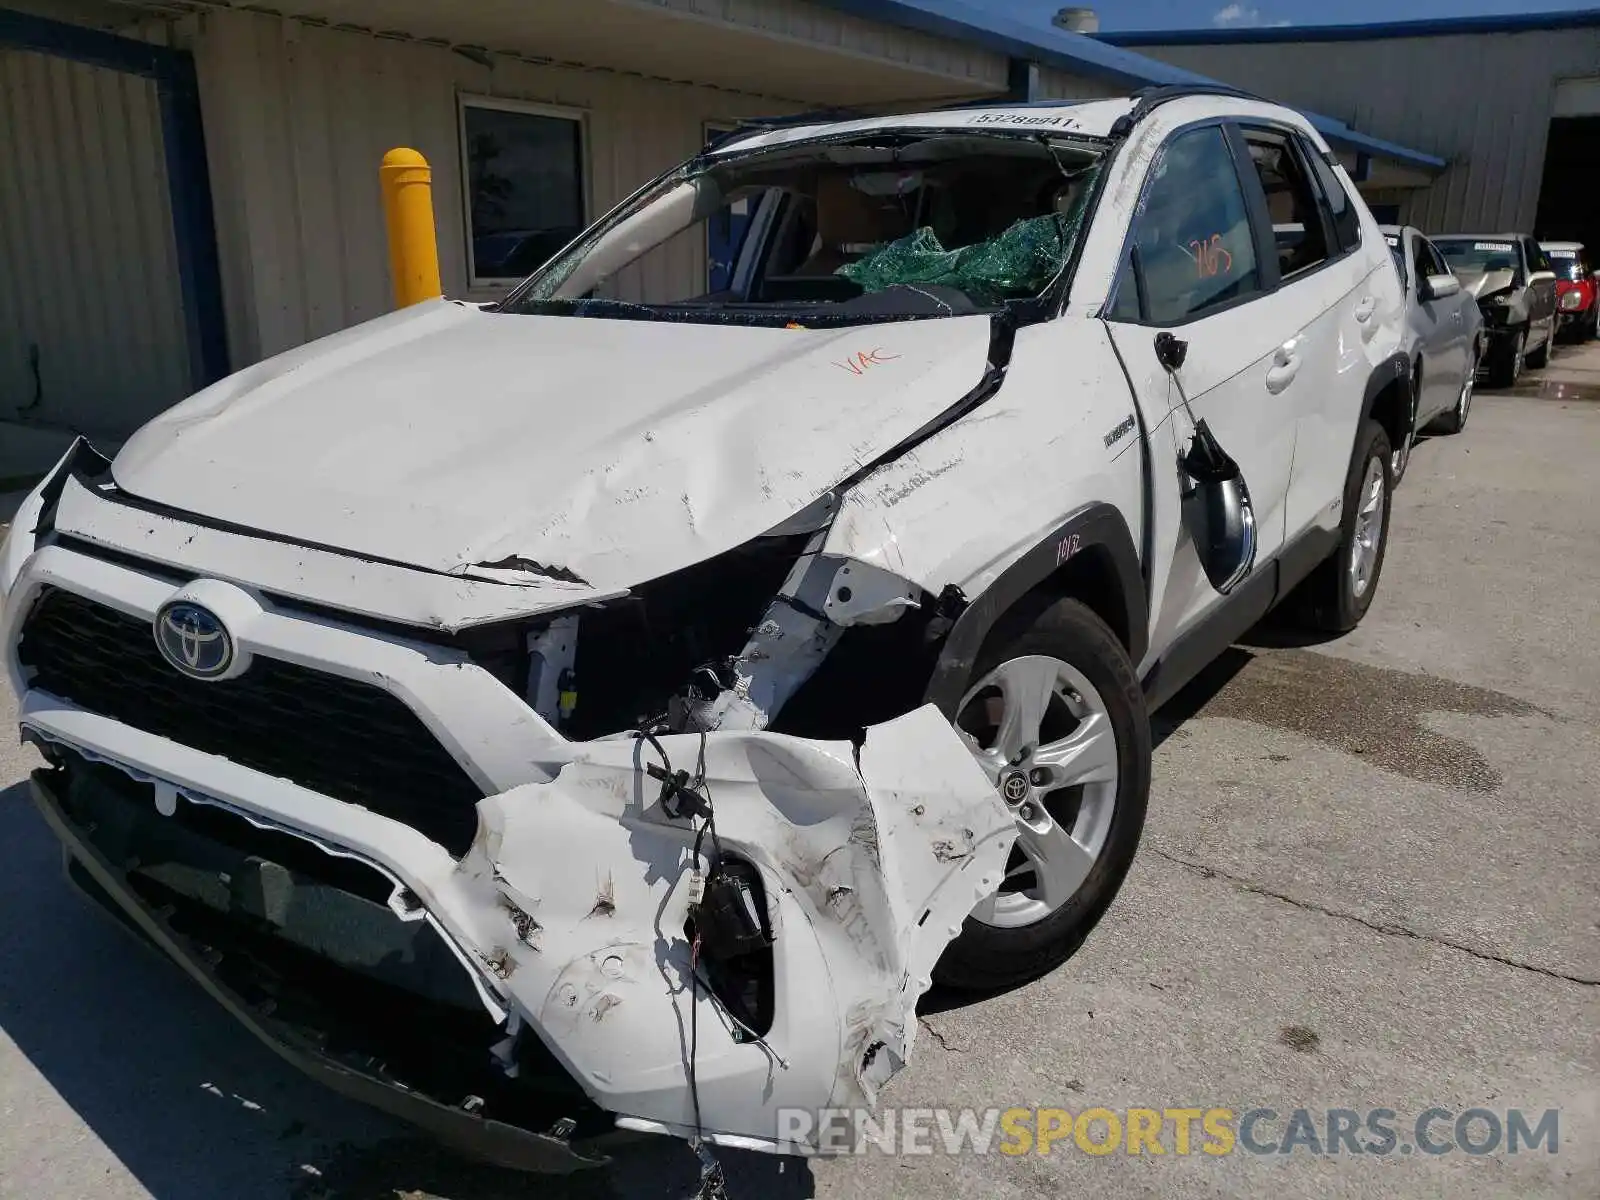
(1506, 359)
(1455, 420)
(1538, 359)
(985, 957)
(1327, 601)
(1400, 456)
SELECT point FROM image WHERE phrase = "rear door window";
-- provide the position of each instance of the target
(1292, 202)
(1341, 208)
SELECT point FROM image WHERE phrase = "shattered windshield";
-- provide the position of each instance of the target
(889, 225)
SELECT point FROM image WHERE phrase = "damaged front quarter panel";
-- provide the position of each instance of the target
(867, 867)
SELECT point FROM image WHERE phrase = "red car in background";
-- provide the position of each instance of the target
(1577, 302)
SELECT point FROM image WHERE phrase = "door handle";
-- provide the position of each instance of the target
(1365, 308)
(1285, 366)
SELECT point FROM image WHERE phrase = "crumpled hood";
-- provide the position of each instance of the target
(447, 437)
(1485, 283)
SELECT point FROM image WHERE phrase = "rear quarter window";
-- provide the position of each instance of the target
(1346, 217)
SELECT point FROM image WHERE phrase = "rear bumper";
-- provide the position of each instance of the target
(502, 1144)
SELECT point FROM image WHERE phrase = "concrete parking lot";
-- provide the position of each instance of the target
(1371, 879)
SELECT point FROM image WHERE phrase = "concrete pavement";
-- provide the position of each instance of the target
(1371, 878)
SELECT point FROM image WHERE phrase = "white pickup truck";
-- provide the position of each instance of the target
(612, 708)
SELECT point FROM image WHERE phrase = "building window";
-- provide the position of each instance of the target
(523, 173)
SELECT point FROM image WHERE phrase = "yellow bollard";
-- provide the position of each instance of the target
(407, 182)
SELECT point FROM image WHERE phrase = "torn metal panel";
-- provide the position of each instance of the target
(616, 451)
(869, 873)
(352, 584)
(931, 515)
(786, 646)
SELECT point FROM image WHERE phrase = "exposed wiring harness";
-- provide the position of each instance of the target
(683, 796)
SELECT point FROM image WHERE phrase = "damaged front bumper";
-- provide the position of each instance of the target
(491, 1140)
(317, 878)
(571, 915)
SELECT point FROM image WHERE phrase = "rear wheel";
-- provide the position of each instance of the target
(1455, 420)
(1336, 595)
(1054, 714)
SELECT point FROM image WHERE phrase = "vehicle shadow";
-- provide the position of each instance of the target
(195, 1108)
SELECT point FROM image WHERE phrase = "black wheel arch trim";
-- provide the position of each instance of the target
(1094, 528)
(1395, 368)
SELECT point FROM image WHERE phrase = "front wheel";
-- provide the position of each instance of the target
(1054, 714)
(1537, 359)
(1505, 367)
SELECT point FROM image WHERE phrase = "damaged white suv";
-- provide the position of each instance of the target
(612, 708)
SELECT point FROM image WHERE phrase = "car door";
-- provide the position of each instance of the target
(1541, 290)
(1463, 310)
(1340, 298)
(1195, 266)
(1437, 324)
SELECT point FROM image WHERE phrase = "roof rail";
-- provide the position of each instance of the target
(750, 126)
(1002, 102)
(1151, 98)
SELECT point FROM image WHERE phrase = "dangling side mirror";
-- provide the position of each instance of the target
(1217, 511)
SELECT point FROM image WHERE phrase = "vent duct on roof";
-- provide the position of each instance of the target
(1077, 20)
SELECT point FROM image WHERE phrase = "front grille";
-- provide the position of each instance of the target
(345, 739)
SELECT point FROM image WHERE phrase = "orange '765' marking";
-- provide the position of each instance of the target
(858, 362)
(1208, 255)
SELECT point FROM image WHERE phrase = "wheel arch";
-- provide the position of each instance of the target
(1391, 397)
(1090, 557)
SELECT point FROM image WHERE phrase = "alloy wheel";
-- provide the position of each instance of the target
(1399, 458)
(1043, 734)
(1369, 528)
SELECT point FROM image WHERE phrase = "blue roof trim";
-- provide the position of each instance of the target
(1050, 47)
(25, 31)
(1438, 27)
(1339, 134)
(1079, 55)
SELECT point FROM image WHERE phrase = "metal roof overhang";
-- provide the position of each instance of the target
(1090, 58)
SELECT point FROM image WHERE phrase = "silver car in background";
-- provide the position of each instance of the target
(1443, 338)
(1515, 287)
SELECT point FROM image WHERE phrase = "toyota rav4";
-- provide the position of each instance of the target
(611, 708)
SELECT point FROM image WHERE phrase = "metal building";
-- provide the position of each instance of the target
(1512, 103)
(189, 186)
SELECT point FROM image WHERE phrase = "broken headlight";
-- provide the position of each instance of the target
(727, 643)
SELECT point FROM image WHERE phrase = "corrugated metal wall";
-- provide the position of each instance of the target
(1058, 85)
(298, 118)
(88, 274)
(795, 20)
(1483, 102)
